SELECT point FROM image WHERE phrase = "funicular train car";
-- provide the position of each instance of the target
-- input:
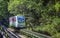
(17, 21)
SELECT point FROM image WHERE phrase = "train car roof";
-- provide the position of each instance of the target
(17, 16)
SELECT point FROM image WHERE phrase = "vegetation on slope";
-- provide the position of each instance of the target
(42, 15)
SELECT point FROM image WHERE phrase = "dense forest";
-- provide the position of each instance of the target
(41, 15)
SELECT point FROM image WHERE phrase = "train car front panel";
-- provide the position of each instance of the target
(21, 21)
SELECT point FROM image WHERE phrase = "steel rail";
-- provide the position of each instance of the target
(2, 34)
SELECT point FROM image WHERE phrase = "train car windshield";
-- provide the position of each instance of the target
(20, 19)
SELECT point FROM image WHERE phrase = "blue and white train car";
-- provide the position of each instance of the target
(17, 21)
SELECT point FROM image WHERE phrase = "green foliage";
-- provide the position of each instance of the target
(41, 15)
(3, 11)
(57, 6)
(57, 35)
(15, 6)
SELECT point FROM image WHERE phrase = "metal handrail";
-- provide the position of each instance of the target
(35, 34)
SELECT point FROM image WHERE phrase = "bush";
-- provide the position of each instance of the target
(56, 35)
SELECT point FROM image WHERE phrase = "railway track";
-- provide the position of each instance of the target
(17, 32)
(9, 33)
(27, 32)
